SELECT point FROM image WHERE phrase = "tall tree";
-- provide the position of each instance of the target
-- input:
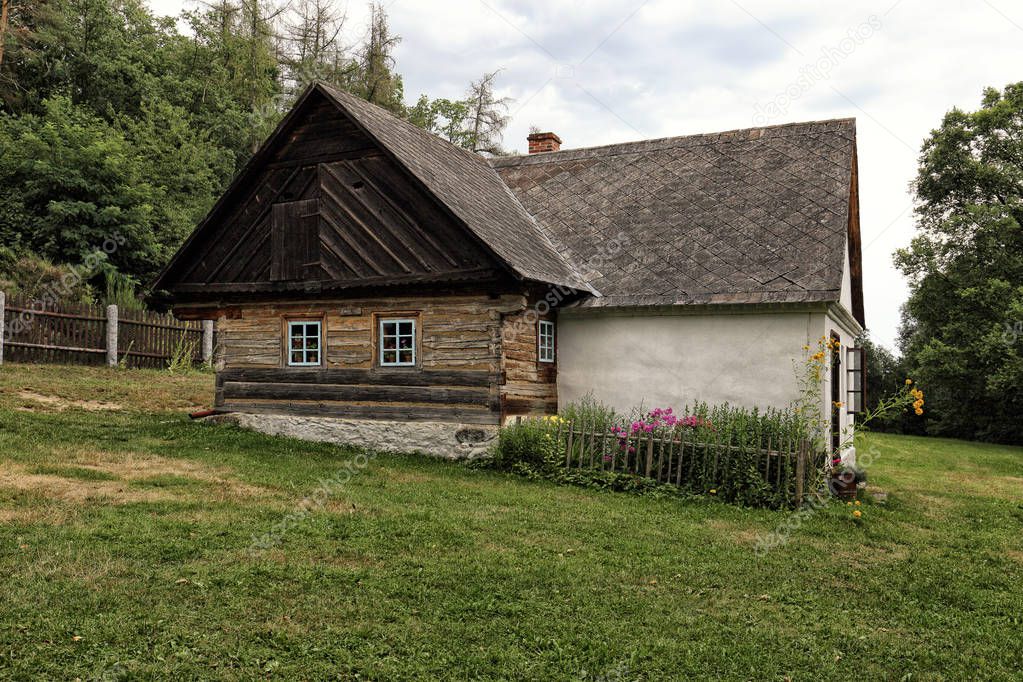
(487, 118)
(378, 82)
(963, 331)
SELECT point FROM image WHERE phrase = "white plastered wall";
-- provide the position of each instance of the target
(629, 357)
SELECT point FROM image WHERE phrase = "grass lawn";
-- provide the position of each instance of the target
(125, 532)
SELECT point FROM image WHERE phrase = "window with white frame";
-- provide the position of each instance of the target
(304, 343)
(397, 343)
(545, 341)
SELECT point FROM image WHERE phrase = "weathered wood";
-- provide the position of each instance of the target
(368, 377)
(800, 471)
(207, 342)
(344, 410)
(568, 448)
(52, 347)
(112, 335)
(349, 393)
(649, 454)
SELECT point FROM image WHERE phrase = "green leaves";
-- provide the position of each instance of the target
(966, 271)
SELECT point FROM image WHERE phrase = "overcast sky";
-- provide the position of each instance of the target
(600, 71)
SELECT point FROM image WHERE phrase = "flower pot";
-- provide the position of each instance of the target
(843, 485)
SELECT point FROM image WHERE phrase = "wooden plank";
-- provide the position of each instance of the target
(342, 411)
(341, 392)
(371, 377)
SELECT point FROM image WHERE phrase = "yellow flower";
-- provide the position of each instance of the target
(919, 411)
(857, 513)
(848, 504)
(838, 403)
(857, 503)
(713, 491)
(909, 381)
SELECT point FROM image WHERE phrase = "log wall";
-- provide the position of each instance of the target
(466, 369)
(530, 387)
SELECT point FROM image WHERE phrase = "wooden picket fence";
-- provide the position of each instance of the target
(37, 332)
(786, 471)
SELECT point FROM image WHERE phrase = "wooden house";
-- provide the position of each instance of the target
(369, 278)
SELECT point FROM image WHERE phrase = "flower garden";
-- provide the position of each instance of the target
(763, 458)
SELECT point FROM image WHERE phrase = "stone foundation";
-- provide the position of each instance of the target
(452, 441)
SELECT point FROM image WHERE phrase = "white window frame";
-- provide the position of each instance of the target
(397, 336)
(545, 347)
(305, 350)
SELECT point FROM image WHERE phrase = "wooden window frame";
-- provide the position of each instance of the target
(382, 318)
(553, 346)
(836, 394)
(288, 322)
(859, 367)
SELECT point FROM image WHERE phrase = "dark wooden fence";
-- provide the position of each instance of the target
(34, 331)
(782, 473)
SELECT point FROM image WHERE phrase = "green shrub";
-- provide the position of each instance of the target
(531, 445)
(590, 413)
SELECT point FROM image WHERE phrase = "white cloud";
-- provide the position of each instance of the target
(608, 71)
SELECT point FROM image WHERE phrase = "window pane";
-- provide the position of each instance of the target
(389, 328)
(313, 343)
(390, 343)
(296, 342)
(313, 357)
(405, 342)
(405, 328)
(405, 357)
(296, 356)
(390, 357)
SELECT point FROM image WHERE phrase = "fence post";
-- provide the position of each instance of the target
(207, 342)
(649, 454)
(800, 471)
(112, 336)
(3, 326)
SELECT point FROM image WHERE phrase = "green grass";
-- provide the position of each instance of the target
(422, 569)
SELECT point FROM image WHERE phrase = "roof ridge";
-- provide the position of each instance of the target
(738, 135)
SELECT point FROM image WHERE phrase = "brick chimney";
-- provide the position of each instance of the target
(543, 142)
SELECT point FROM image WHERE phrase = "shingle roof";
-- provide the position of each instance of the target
(468, 185)
(748, 216)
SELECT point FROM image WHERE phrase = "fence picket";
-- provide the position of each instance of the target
(711, 462)
(42, 332)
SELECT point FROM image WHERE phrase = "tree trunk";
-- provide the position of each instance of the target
(3, 28)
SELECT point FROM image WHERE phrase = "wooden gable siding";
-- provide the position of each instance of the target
(373, 224)
(458, 377)
(320, 134)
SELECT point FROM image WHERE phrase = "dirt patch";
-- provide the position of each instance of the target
(61, 404)
(74, 489)
(741, 533)
(130, 468)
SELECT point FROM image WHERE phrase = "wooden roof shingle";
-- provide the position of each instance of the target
(748, 216)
